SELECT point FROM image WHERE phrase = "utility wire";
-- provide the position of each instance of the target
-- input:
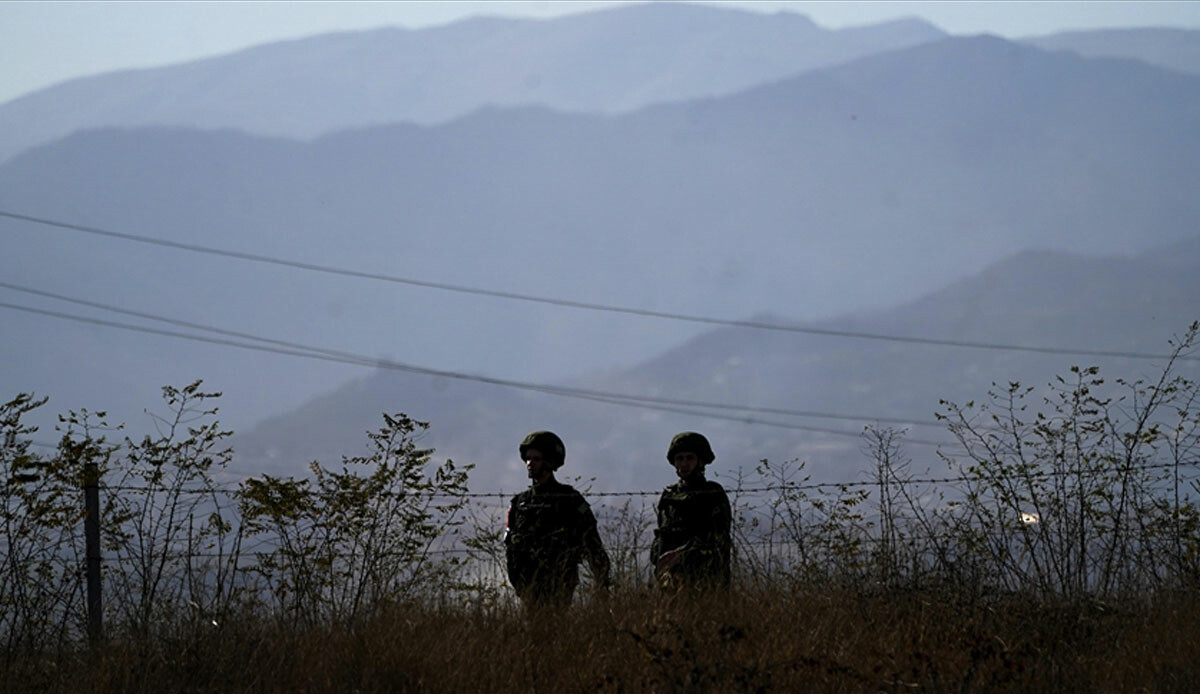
(589, 306)
(598, 395)
(292, 349)
(163, 319)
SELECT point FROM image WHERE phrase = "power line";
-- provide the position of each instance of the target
(603, 397)
(596, 395)
(583, 305)
(293, 349)
(161, 319)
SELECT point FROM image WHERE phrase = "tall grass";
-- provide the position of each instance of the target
(1065, 554)
(779, 640)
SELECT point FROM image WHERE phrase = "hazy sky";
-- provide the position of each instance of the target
(44, 42)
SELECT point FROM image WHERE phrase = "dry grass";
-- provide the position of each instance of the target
(635, 641)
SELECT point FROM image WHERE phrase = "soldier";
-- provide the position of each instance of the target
(692, 546)
(549, 529)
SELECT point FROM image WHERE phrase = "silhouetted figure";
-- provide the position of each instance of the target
(550, 528)
(692, 545)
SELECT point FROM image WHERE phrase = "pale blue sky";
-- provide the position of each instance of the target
(44, 42)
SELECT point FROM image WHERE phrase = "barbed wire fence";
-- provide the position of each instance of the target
(782, 529)
(1084, 497)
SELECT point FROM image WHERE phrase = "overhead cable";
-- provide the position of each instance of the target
(597, 394)
(644, 402)
(583, 305)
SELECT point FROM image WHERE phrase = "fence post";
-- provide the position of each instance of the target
(91, 530)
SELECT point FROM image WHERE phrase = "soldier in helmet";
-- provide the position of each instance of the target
(692, 545)
(550, 528)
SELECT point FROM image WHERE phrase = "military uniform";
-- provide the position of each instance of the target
(694, 516)
(550, 527)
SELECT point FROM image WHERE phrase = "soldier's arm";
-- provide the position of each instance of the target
(511, 559)
(665, 550)
(593, 546)
(656, 548)
(723, 520)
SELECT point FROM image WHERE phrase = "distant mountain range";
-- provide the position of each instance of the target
(608, 61)
(1174, 49)
(1131, 304)
(837, 191)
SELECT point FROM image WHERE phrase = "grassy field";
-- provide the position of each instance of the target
(779, 640)
(1061, 553)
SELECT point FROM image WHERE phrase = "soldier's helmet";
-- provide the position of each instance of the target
(691, 442)
(548, 444)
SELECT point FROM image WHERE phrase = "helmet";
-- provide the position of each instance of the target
(548, 444)
(691, 442)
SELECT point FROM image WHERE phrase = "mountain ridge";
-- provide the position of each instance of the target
(1165, 47)
(304, 87)
(808, 199)
(473, 422)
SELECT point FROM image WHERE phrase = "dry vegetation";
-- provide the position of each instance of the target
(1065, 556)
(781, 640)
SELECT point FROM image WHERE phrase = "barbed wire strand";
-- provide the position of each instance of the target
(758, 489)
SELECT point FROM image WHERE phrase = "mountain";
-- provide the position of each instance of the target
(1174, 49)
(1114, 303)
(612, 60)
(856, 186)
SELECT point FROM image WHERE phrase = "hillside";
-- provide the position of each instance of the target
(616, 59)
(839, 190)
(1033, 298)
(1174, 49)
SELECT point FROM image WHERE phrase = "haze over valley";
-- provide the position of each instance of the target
(889, 180)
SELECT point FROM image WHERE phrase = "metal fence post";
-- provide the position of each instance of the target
(91, 530)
